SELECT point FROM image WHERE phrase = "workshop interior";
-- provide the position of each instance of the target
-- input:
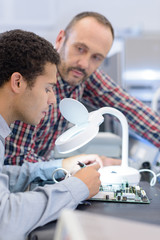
(134, 63)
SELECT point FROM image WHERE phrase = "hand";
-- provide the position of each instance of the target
(110, 161)
(91, 177)
(70, 164)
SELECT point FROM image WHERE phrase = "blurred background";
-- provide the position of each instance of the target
(134, 60)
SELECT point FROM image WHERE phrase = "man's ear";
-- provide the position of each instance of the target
(16, 82)
(60, 39)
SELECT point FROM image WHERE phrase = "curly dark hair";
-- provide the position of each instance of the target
(26, 53)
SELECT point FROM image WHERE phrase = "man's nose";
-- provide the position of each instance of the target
(83, 62)
(52, 98)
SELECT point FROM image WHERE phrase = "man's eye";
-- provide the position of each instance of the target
(97, 58)
(80, 49)
(48, 90)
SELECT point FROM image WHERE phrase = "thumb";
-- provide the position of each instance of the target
(96, 166)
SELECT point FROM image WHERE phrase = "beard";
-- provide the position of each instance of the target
(72, 80)
(65, 70)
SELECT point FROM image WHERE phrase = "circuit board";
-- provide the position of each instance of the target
(121, 193)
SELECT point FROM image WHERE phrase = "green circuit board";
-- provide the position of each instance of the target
(121, 193)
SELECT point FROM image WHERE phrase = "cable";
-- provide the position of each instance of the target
(154, 179)
(158, 175)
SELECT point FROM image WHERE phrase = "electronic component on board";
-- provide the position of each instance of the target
(123, 193)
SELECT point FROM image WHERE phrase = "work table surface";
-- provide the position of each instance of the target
(147, 213)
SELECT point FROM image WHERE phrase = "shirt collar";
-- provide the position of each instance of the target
(4, 128)
(65, 85)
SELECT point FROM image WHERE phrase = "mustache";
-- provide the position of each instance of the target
(78, 69)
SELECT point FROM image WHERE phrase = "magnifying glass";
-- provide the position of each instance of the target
(85, 129)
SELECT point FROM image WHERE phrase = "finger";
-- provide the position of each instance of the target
(96, 166)
(92, 158)
(116, 161)
(110, 161)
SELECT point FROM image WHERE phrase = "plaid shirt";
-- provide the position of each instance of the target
(34, 144)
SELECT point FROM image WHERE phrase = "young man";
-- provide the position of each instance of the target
(27, 77)
(82, 47)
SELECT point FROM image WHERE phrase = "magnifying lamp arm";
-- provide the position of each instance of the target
(85, 129)
(96, 118)
(124, 123)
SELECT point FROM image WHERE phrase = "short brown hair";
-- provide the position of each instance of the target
(99, 17)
